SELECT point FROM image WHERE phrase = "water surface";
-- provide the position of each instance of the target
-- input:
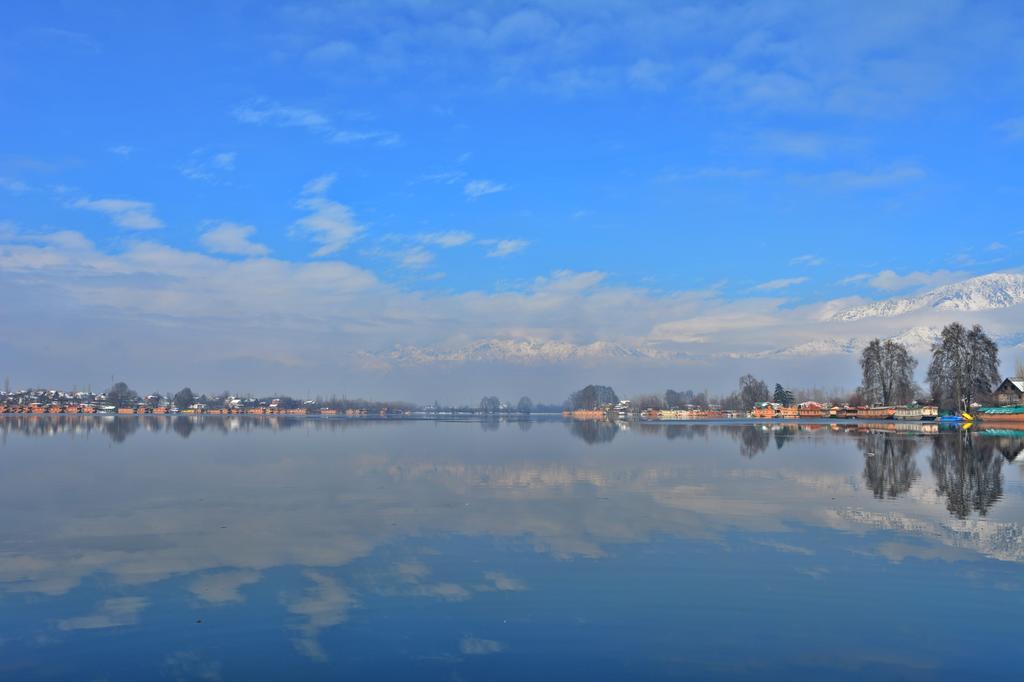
(246, 549)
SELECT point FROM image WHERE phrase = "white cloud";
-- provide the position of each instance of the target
(332, 51)
(776, 284)
(649, 75)
(225, 160)
(478, 188)
(416, 257)
(503, 583)
(112, 613)
(329, 223)
(261, 112)
(13, 185)
(233, 239)
(380, 137)
(876, 179)
(505, 247)
(473, 646)
(448, 239)
(223, 587)
(323, 605)
(121, 150)
(1013, 128)
(808, 259)
(134, 215)
(319, 185)
(204, 166)
(888, 280)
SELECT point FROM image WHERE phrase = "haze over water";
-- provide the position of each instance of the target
(505, 550)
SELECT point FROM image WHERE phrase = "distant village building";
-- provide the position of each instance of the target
(1010, 392)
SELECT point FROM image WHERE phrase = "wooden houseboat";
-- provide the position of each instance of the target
(917, 413)
(876, 412)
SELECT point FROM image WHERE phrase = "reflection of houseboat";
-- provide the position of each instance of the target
(876, 412)
(917, 413)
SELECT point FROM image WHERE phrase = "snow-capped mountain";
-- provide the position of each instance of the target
(525, 351)
(917, 339)
(987, 292)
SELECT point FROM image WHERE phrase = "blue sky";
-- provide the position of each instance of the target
(765, 155)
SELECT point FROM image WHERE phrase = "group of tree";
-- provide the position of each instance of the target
(492, 405)
(783, 396)
(964, 369)
(887, 369)
(592, 397)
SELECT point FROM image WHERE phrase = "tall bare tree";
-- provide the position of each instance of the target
(964, 367)
(888, 373)
(752, 391)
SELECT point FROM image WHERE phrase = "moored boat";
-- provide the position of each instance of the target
(1003, 415)
(876, 412)
(917, 413)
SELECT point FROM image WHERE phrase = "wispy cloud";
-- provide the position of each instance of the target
(473, 646)
(112, 613)
(505, 247)
(332, 51)
(15, 186)
(808, 259)
(889, 280)
(134, 215)
(223, 587)
(475, 189)
(329, 223)
(324, 604)
(121, 150)
(202, 165)
(876, 179)
(1013, 129)
(447, 240)
(263, 112)
(378, 136)
(232, 239)
(776, 284)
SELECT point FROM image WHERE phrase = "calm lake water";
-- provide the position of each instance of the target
(244, 549)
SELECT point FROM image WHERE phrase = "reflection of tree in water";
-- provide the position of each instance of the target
(593, 431)
(968, 472)
(490, 423)
(183, 426)
(783, 434)
(119, 428)
(753, 441)
(889, 465)
(524, 424)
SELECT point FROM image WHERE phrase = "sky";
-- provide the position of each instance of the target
(438, 200)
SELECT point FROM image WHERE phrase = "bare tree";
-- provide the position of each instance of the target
(752, 391)
(888, 373)
(644, 402)
(525, 405)
(964, 367)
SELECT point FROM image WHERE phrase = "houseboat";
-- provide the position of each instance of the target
(810, 410)
(917, 413)
(1009, 415)
(875, 413)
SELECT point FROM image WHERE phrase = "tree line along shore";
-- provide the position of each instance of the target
(962, 378)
